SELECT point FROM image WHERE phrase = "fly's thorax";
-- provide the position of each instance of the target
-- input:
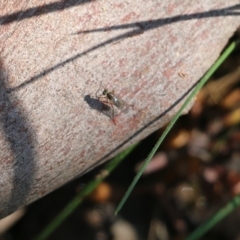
(111, 97)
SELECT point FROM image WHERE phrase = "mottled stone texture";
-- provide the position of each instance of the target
(55, 56)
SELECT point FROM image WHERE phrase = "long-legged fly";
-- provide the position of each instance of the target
(111, 99)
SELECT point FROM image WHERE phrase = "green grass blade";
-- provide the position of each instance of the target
(205, 78)
(110, 166)
(221, 214)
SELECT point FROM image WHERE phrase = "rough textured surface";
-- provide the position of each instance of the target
(56, 55)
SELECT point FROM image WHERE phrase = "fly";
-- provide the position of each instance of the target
(113, 101)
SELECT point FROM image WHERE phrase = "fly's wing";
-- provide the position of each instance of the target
(121, 105)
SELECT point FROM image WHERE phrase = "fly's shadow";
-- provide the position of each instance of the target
(100, 106)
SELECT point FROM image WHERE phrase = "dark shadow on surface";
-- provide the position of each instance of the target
(103, 159)
(142, 26)
(40, 10)
(61, 64)
(136, 29)
(93, 103)
(100, 106)
(19, 137)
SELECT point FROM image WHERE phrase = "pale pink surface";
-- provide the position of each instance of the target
(55, 54)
